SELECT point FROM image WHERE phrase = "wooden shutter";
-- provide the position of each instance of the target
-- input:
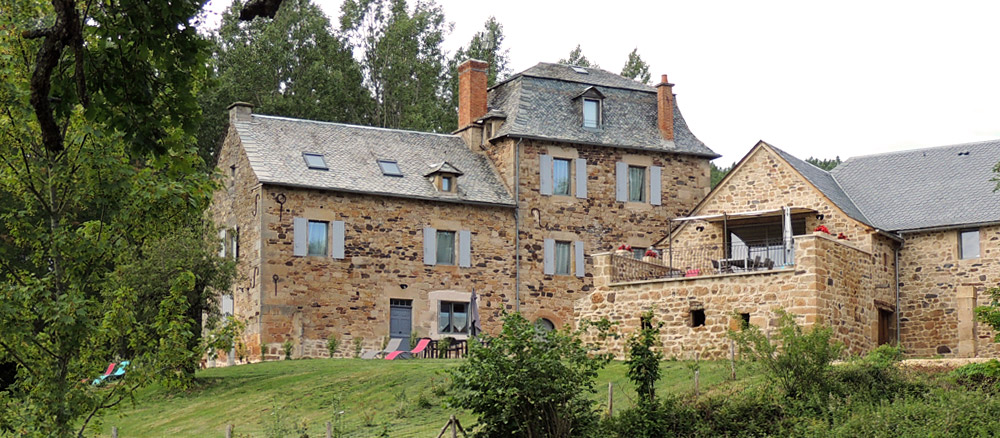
(654, 185)
(300, 238)
(430, 246)
(337, 238)
(545, 174)
(621, 182)
(464, 248)
(581, 178)
(579, 257)
(549, 257)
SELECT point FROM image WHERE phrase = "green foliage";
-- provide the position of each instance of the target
(990, 315)
(443, 345)
(287, 347)
(718, 173)
(798, 361)
(225, 337)
(332, 343)
(577, 58)
(413, 339)
(983, 375)
(825, 164)
(643, 361)
(486, 45)
(529, 383)
(635, 68)
(358, 343)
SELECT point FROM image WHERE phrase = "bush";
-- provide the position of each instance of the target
(984, 376)
(644, 362)
(529, 383)
(358, 343)
(288, 346)
(332, 343)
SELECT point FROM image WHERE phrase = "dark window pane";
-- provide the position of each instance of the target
(446, 247)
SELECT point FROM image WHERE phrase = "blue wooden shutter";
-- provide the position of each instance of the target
(581, 178)
(621, 182)
(337, 228)
(464, 248)
(430, 246)
(300, 239)
(545, 174)
(549, 256)
(579, 258)
(654, 185)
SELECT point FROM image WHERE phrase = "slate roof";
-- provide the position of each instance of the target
(925, 188)
(539, 103)
(274, 146)
(826, 184)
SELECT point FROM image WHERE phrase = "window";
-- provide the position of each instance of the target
(544, 325)
(389, 168)
(591, 113)
(560, 176)
(446, 247)
(317, 237)
(562, 258)
(638, 252)
(580, 70)
(968, 244)
(447, 183)
(697, 317)
(453, 317)
(744, 321)
(314, 161)
(636, 184)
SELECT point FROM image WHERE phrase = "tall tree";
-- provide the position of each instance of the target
(825, 164)
(402, 62)
(635, 68)
(577, 58)
(718, 173)
(310, 73)
(97, 168)
(486, 45)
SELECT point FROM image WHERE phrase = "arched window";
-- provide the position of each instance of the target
(544, 325)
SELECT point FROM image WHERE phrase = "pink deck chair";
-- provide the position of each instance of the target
(421, 346)
(111, 369)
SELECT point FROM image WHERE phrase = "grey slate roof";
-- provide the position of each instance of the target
(274, 146)
(925, 188)
(826, 184)
(539, 103)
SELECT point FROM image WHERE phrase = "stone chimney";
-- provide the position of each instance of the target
(665, 108)
(471, 91)
(240, 112)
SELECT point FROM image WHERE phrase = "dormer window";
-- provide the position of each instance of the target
(444, 176)
(389, 168)
(591, 104)
(314, 161)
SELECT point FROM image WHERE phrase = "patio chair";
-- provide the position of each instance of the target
(768, 263)
(392, 346)
(119, 372)
(419, 348)
(99, 379)
(756, 264)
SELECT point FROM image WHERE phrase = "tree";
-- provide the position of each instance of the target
(402, 62)
(635, 68)
(486, 45)
(718, 173)
(643, 361)
(97, 165)
(827, 164)
(529, 383)
(577, 58)
(310, 72)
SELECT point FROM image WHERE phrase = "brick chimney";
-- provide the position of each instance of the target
(471, 91)
(665, 108)
(240, 112)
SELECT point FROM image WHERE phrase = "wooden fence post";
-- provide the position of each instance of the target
(697, 372)
(114, 431)
(732, 359)
(229, 431)
(611, 399)
(329, 430)
(454, 427)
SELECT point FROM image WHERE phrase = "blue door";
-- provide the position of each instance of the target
(400, 322)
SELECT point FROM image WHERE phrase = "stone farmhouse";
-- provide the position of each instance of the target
(895, 247)
(365, 233)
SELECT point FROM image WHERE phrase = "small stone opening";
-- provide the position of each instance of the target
(744, 321)
(697, 317)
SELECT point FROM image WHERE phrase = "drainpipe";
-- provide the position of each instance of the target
(899, 342)
(517, 225)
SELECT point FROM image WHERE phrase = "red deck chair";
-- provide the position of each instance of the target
(111, 369)
(421, 346)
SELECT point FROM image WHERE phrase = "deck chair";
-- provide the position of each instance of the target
(392, 346)
(100, 379)
(119, 372)
(419, 348)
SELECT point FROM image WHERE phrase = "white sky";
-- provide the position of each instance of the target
(814, 78)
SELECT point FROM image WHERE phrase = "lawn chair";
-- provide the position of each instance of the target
(100, 379)
(419, 348)
(393, 346)
(119, 372)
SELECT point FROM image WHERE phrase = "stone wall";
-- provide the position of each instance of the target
(825, 285)
(939, 292)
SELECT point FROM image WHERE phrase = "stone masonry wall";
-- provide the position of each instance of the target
(318, 296)
(939, 292)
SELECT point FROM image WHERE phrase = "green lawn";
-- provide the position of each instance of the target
(407, 398)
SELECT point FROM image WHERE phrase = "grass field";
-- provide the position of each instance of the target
(401, 398)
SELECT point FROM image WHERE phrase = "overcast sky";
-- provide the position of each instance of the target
(814, 78)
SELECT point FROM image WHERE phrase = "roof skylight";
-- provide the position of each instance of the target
(580, 70)
(389, 168)
(314, 161)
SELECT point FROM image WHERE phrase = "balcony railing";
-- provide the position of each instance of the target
(713, 259)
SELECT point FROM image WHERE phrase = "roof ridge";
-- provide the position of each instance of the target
(925, 148)
(864, 215)
(349, 125)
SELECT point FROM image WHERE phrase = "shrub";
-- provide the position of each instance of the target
(443, 345)
(985, 375)
(288, 346)
(332, 343)
(413, 339)
(358, 343)
(529, 383)
(643, 362)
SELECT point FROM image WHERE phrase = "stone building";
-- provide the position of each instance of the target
(896, 247)
(365, 233)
